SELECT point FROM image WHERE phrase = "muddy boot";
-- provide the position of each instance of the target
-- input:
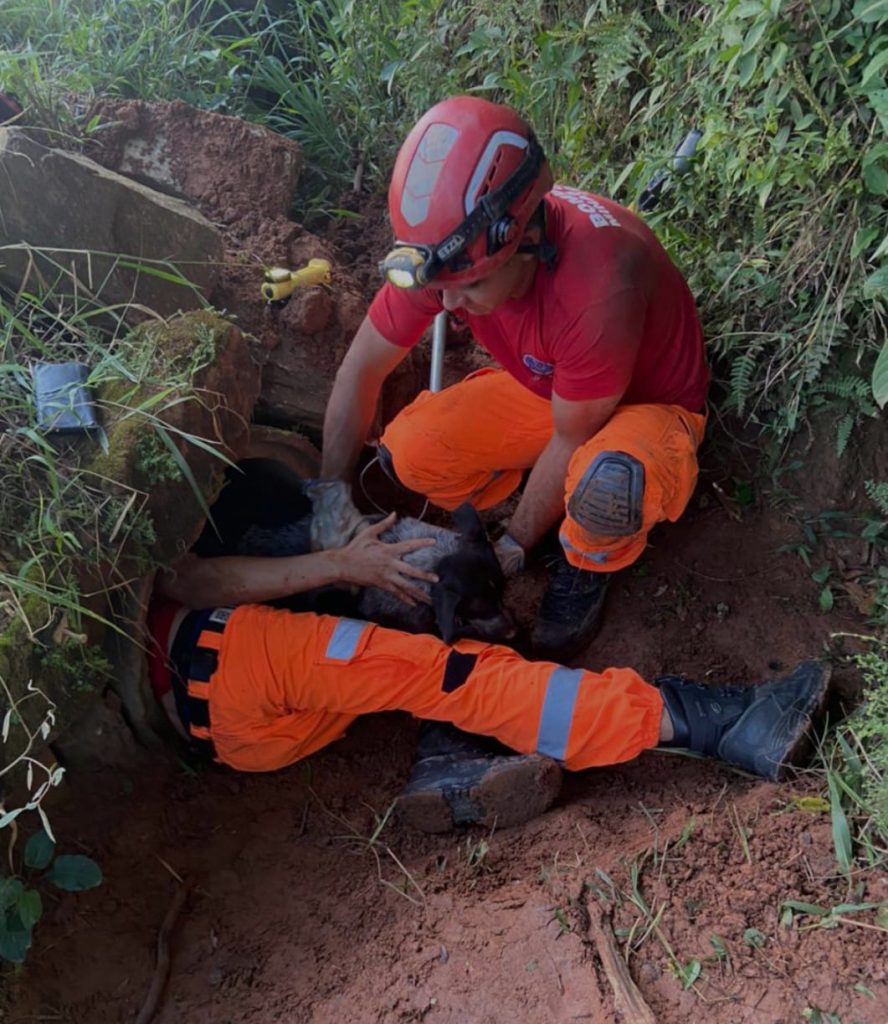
(570, 613)
(764, 729)
(460, 779)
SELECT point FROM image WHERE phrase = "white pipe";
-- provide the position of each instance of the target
(439, 341)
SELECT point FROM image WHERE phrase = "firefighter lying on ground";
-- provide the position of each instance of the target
(602, 388)
(259, 688)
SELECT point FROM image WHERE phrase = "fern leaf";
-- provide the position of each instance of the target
(742, 372)
(846, 425)
(877, 493)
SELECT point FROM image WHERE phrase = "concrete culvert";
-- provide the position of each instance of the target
(263, 487)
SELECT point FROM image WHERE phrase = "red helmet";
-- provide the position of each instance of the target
(466, 182)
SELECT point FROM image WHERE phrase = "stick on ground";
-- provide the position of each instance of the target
(162, 968)
(628, 1000)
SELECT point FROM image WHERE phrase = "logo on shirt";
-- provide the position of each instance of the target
(599, 215)
(537, 366)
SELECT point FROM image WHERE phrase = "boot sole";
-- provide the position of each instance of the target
(802, 747)
(799, 747)
(505, 796)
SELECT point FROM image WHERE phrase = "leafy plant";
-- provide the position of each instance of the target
(855, 759)
(686, 973)
(27, 728)
(21, 906)
(476, 854)
(815, 1016)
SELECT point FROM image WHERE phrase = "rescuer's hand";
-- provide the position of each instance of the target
(369, 562)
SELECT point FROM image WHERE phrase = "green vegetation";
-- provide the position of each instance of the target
(77, 524)
(781, 227)
(857, 775)
(21, 906)
(68, 514)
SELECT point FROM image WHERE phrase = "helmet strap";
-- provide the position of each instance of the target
(544, 250)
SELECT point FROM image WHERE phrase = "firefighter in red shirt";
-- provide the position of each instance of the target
(603, 383)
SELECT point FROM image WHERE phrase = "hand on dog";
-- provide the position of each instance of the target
(370, 562)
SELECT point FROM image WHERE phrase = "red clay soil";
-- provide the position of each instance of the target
(304, 909)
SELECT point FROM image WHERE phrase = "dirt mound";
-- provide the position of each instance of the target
(242, 177)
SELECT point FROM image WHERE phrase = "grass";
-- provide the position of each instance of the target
(75, 522)
(855, 768)
(380, 850)
(64, 520)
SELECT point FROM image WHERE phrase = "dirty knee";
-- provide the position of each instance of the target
(608, 500)
(405, 464)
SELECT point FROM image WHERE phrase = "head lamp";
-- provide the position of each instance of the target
(408, 266)
(411, 265)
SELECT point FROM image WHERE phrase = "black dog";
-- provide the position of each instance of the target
(467, 600)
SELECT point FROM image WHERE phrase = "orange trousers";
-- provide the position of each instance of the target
(474, 440)
(287, 684)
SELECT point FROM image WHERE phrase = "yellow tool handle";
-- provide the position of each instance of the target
(280, 282)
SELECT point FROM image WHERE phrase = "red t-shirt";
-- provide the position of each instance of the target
(613, 317)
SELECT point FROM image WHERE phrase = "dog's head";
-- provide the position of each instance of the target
(468, 597)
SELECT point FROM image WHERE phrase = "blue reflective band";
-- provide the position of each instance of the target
(594, 556)
(344, 641)
(558, 710)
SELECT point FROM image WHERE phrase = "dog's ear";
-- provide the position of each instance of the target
(468, 522)
(444, 602)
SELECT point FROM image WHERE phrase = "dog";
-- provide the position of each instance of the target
(467, 600)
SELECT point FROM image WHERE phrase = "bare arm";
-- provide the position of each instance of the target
(352, 405)
(243, 579)
(542, 503)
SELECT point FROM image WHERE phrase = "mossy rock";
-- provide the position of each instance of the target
(150, 450)
(212, 387)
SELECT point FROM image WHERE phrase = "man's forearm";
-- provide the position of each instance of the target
(234, 579)
(347, 423)
(542, 503)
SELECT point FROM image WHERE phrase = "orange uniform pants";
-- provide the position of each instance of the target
(287, 684)
(474, 440)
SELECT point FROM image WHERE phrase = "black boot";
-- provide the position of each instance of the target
(570, 612)
(764, 729)
(460, 779)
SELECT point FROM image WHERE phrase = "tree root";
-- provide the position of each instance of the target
(162, 968)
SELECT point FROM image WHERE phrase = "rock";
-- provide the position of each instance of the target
(99, 737)
(67, 211)
(308, 312)
(228, 167)
(350, 311)
(298, 376)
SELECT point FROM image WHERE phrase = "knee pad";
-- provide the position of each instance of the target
(607, 502)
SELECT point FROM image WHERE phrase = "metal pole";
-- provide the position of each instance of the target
(439, 340)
